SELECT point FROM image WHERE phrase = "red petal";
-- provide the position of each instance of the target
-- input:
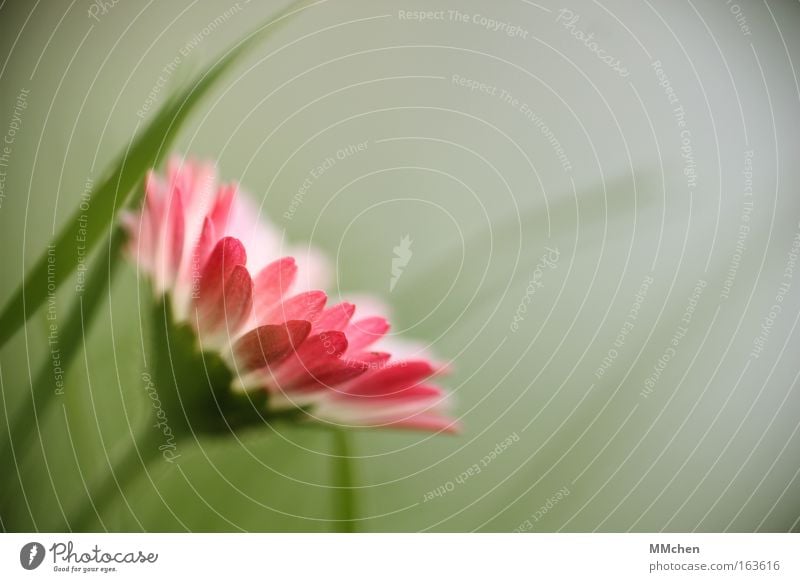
(331, 373)
(269, 344)
(338, 370)
(226, 256)
(317, 352)
(328, 343)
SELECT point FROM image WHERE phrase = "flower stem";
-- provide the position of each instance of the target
(131, 463)
(344, 491)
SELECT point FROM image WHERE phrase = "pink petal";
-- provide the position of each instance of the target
(272, 282)
(189, 176)
(429, 421)
(173, 235)
(152, 194)
(424, 394)
(149, 230)
(392, 379)
(374, 359)
(176, 168)
(365, 332)
(306, 306)
(205, 244)
(269, 344)
(238, 297)
(220, 214)
(335, 318)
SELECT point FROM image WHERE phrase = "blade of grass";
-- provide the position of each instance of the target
(133, 462)
(143, 153)
(78, 320)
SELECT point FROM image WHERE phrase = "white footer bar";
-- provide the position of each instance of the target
(416, 557)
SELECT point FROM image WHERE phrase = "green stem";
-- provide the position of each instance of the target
(344, 491)
(133, 461)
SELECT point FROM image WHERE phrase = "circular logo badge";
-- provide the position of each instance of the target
(31, 555)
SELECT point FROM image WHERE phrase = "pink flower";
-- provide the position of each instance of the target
(226, 276)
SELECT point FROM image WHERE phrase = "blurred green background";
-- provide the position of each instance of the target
(549, 148)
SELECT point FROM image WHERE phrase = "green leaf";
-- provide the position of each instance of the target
(144, 152)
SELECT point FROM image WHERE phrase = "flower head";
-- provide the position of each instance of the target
(226, 277)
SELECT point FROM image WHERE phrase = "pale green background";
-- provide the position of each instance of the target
(481, 193)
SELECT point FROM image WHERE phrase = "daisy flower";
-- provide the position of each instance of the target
(227, 277)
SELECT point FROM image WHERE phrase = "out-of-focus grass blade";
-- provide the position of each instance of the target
(144, 152)
(26, 420)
